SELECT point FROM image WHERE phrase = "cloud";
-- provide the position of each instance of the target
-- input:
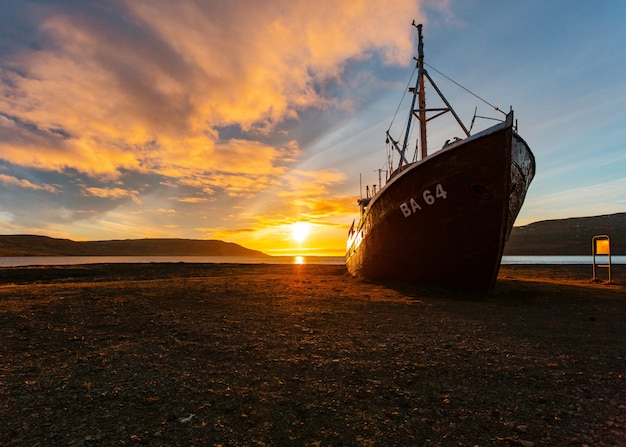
(111, 193)
(148, 86)
(595, 199)
(26, 184)
(298, 196)
(205, 97)
(311, 183)
(189, 199)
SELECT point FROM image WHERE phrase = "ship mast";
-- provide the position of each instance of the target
(419, 87)
(422, 93)
(419, 95)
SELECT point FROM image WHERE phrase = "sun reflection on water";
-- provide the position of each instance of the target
(299, 260)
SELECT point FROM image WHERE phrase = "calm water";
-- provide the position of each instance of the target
(332, 260)
(22, 261)
(558, 260)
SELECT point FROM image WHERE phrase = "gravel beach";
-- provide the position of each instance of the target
(305, 355)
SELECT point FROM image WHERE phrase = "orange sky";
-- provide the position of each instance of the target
(200, 98)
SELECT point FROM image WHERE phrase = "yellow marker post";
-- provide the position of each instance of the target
(601, 246)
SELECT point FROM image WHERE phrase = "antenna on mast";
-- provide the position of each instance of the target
(361, 185)
(380, 180)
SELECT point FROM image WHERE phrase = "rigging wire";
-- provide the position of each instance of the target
(468, 91)
(408, 85)
(389, 162)
(390, 151)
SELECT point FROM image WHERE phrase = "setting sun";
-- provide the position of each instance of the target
(300, 230)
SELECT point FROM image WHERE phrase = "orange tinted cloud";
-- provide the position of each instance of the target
(301, 196)
(154, 101)
(113, 193)
(198, 96)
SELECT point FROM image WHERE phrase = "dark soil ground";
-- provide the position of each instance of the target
(305, 355)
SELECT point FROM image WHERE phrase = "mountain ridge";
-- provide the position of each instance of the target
(570, 236)
(36, 245)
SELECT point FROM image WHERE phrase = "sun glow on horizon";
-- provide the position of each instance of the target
(294, 238)
(300, 231)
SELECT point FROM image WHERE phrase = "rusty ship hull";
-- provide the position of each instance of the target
(445, 220)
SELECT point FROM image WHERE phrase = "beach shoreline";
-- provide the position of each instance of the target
(227, 354)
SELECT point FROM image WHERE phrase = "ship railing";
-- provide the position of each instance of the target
(363, 203)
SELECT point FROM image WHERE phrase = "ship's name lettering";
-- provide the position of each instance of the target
(427, 198)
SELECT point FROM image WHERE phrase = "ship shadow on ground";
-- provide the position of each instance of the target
(429, 291)
(527, 286)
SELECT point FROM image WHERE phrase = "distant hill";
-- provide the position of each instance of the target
(567, 236)
(31, 245)
(548, 237)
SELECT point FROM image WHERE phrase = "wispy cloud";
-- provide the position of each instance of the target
(26, 184)
(599, 198)
(111, 193)
(190, 199)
